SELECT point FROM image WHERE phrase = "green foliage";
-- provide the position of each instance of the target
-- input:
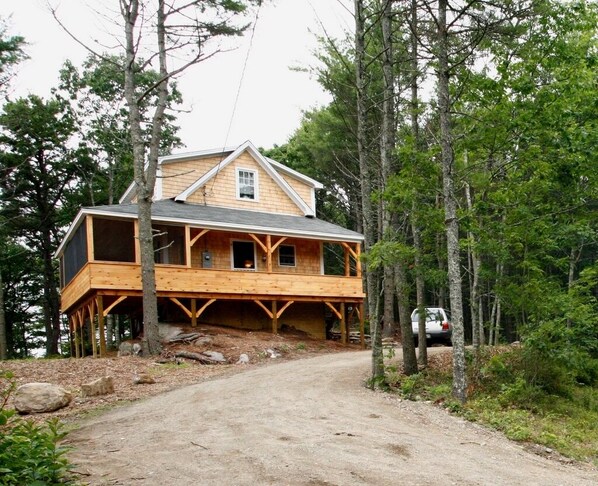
(29, 453)
(509, 391)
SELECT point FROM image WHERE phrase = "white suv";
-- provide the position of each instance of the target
(438, 324)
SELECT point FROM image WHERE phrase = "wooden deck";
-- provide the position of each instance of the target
(178, 281)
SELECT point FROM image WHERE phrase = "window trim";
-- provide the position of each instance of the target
(232, 256)
(294, 265)
(256, 194)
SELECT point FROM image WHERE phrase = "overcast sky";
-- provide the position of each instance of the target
(272, 95)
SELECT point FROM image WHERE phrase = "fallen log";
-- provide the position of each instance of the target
(202, 358)
(186, 338)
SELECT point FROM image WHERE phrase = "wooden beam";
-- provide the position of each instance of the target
(89, 231)
(347, 263)
(268, 254)
(114, 304)
(194, 312)
(349, 249)
(182, 306)
(73, 321)
(258, 241)
(92, 326)
(270, 315)
(187, 246)
(80, 320)
(337, 313)
(278, 243)
(344, 330)
(204, 307)
(136, 237)
(284, 308)
(100, 304)
(197, 237)
(274, 318)
(358, 259)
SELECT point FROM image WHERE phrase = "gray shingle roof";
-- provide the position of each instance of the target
(235, 220)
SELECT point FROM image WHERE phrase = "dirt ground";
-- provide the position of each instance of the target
(167, 372)
(301, 422)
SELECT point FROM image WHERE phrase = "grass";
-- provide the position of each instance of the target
(566, 423)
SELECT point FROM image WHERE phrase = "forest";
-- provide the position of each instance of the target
(461, 140)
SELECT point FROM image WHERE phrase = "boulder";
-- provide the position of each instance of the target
(127, 348)
(215, 356)
(243, 359)
(143, 379)
(101, 386)
(40, 398)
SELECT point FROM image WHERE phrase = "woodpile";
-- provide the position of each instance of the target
(354, 337)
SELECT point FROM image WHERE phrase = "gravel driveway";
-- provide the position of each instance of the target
(304, 422)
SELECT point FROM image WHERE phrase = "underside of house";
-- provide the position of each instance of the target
(231, 266)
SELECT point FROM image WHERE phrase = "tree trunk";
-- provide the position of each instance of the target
(387, 147)
(3, 341)
(450, 207)
(366, 194)
(50, 297)
(422, 356)
(145, 177)
(409, 357)
(477, 323)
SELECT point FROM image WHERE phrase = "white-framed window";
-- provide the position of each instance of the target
(286, 255)
(247, 184)
(243, 255)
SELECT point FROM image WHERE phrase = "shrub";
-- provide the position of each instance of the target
(29, 453)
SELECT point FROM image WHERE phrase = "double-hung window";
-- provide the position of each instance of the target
(286, 255)
(247, 184)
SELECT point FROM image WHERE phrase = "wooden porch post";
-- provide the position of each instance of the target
(100, 302)
(136, 237)
(194, 312)
(358, 259)
(347, 263)
(73, 320)
(89, 231)
(269, 255)
(92, 329)
(187, 246)
(274, 317)
(344, 333)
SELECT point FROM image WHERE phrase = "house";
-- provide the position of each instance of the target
(237, 243)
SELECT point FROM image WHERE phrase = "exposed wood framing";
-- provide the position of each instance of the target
(92, 327)
(100, 306)
(137, 247)
(197, 237)
(89, 231)
(266, 310)
(114, 304)
(182, 306)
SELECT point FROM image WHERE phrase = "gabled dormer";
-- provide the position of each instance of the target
(239, 178)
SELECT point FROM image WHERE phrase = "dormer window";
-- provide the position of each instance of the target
(247, 184)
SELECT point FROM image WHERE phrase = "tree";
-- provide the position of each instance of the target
(11, 53)
(37, 170)
(96, 94)
(181, 31)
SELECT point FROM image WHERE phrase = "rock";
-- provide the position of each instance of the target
(143, 379)
(168, 331)
(203, 340)
(215, 356)
(243, 359)
(125, 349)
(136, 349)
(273, 354)
(41, 397)
(101, 386)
